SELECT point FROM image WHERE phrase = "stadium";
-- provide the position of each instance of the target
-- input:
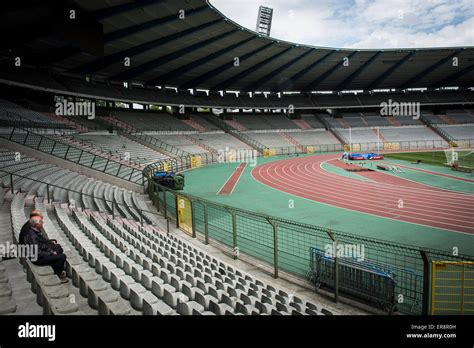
(187, 165)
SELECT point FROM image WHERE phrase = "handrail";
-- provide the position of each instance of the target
(437, 129)
(136, 175)
(48, 196)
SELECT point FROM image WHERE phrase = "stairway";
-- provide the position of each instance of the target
(446, 119)
(381, 137)
(193, 124)
(393, 121)
(293, 141)
(199, 143)
(66, 121)
(215, 120)
(96, 151)
(119, 124)
(343, 123)
(302, 124)
(237, 125)
(334, 131)
(434, 127)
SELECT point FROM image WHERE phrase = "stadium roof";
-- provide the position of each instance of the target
(200, 51)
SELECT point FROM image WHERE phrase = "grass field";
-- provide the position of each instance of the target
(465, 158)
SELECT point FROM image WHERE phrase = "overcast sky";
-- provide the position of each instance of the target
(362, 23)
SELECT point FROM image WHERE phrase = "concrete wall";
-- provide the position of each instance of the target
(71, 166)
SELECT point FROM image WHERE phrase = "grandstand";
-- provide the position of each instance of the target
(229, 243)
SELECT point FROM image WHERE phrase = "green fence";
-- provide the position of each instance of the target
(284, 245)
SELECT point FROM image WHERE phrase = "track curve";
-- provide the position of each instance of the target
(384, 196)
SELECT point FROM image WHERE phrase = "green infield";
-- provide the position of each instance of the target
(465, 158)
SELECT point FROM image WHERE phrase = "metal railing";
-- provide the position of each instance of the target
(112, 207)
(179, 164)
(437, 129)
(74, 154)
(374, 146)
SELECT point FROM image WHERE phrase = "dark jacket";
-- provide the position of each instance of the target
(33, 237)
(24, 230)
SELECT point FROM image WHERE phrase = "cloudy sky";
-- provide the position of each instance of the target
(362, 23)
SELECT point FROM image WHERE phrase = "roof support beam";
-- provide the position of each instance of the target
(159, 80)
(277, 71)
(453, 77)
(98, 64)
(121, 33)
(315, 83)
(358, 71)
(290, 82)
(223, 85)
(411, 82)
(120, 9)
(200, 79)
(150, 65)
(390, 71)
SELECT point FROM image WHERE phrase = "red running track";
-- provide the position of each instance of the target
(421, 204)
(230, 184)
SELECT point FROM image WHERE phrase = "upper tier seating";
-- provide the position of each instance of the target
(361, 135)
(271, 140)
(316, 137)
(181, 142)
(407, 121)
(312, 121)
(13, 112)
(460, 132)
(412, 134)
(220, 141)
(149, 121)
(120, 145)
(259, 122)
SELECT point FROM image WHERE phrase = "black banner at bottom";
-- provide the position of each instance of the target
(134, 331)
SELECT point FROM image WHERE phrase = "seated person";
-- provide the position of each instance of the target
(27, 226)
(49, 252)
